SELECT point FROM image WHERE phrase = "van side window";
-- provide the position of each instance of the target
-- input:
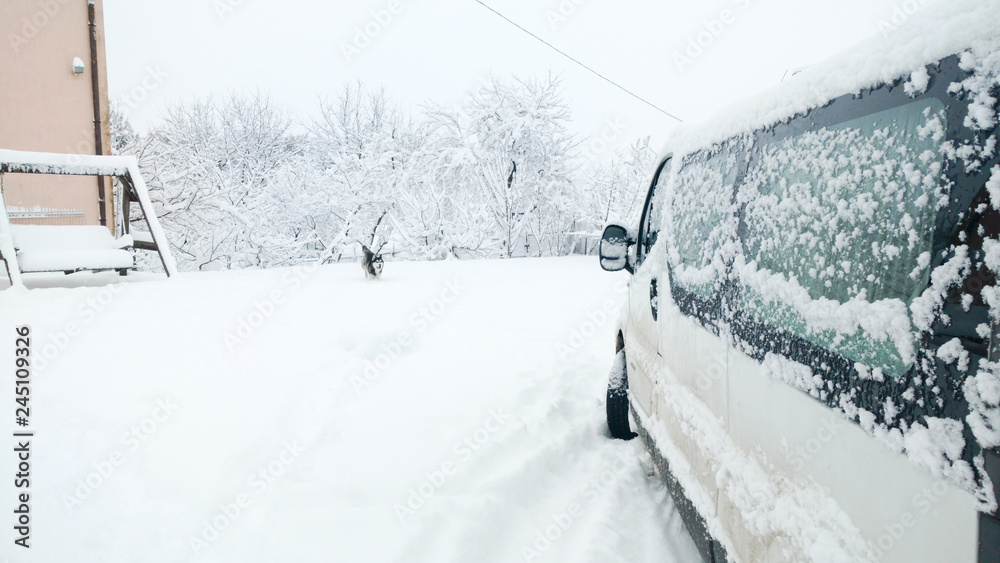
(703, 218)
(846, 213)
(652, 216)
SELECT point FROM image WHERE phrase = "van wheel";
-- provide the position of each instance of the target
(618, 399)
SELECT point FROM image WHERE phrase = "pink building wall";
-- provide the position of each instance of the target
(45, 107)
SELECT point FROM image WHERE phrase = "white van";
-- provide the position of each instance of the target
(808, 350)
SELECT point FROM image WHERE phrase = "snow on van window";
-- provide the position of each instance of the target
(937, 444)
(703, 220)
(918, 82)
(983, 62)
(983, 394)
(980, 87)
(837, 231)
(794, 374)
(982, 390)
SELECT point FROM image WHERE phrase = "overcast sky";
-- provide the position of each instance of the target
(438, 50)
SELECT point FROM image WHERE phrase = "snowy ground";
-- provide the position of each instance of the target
(478, 429)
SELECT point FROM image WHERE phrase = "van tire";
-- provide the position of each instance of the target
(617, 404)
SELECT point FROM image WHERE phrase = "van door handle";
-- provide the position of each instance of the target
(654, 298)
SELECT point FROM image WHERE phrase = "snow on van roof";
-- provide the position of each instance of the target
(933, 33)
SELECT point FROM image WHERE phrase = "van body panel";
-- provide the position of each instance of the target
(693, 355)
(696, 357)
(641, 338)
(639, 383)
(915, 517)
(699, 467)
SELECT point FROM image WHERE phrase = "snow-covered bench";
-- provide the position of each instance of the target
(47, 248)
(70, 249)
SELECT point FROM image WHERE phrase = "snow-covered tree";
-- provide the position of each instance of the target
(207, 166)
(618, 188)
(123, 136)
(510, 143)
(362, 145)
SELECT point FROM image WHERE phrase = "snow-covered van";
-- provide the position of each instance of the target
(810, 350)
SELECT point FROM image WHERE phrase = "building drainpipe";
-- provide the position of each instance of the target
(95, 82)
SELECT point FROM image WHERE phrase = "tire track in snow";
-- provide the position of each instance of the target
(556, 488)
(525, 464)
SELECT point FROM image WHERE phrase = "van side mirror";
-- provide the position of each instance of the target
(614, 251)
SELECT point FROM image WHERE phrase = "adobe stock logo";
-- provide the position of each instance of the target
(364, 35)
(563, 12)
(154, 77)
(132, 439)
(704, 39)
(391, 351)
(225, 7)
(596, 319)
(31, 26)
(464, 451)
(901, 14)
(265, 478)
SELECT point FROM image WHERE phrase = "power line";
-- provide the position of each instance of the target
(599, 75)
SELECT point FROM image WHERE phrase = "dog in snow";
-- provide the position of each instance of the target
(371, 263)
